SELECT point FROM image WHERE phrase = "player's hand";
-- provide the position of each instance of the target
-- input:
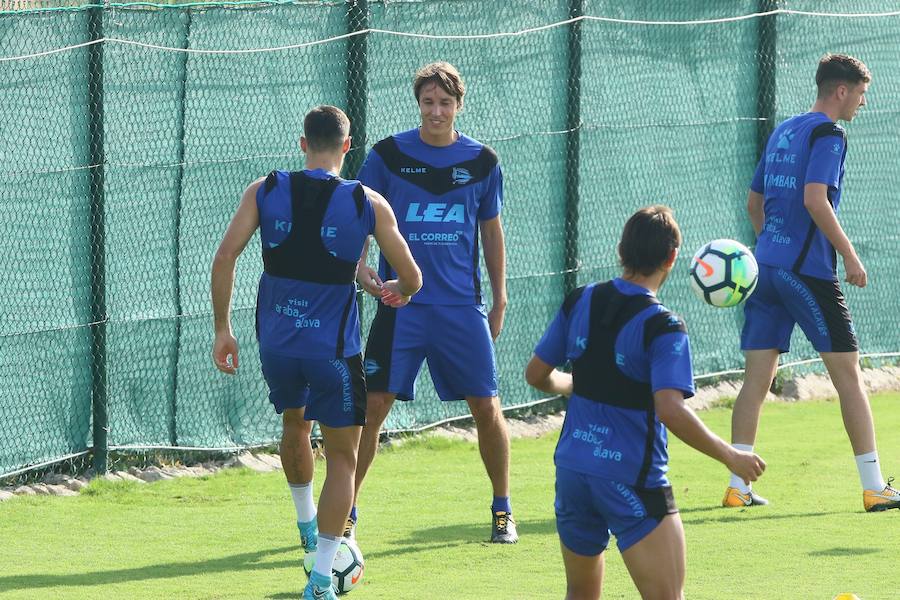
(855, 272)
(746, 465)
(225, 353)
(368, 279)
(391, 294)
(495, 320)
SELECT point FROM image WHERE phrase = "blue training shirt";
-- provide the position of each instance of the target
(808, 148)
(438, 194)
(611, 441)
(304, 319)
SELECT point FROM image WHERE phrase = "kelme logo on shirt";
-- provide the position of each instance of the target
(285, 227)
(436, 212)
(785, 139)
(836, 149)
(460, 176)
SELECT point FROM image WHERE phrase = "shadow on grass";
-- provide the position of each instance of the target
(729, 515)
(452, 536)
(250, 561)
(844, 552)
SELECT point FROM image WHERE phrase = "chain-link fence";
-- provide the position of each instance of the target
(129, 131)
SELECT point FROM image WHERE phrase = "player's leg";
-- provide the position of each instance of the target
(584, 575)
(298, 463)
(583, 533)
(493, 444)
(338, 402)
(657, 562)
(493, 441)
(766, 333)
(462, 364)
(394, 355)
(759, 369)
(341, 444)
(378, 406)
(843, 367)
(822, 313)
(289, 393)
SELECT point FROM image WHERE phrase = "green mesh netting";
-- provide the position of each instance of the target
(123, 161)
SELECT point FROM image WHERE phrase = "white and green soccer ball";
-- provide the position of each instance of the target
(349, 566)
(723, 273)
(348, 569)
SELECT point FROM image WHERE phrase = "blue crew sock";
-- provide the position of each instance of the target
(353, 513)
(501, 504)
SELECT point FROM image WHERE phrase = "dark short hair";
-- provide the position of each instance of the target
(835, 69)
(325, 128)
(649, 237)
(445, 75)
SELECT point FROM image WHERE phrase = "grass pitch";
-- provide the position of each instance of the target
(425, 521)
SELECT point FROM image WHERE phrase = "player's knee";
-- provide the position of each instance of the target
(582, 591)
(339, 457)
(378, 405)
(485, 410)
(294, 423)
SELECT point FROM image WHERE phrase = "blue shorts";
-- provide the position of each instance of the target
(455, 340)
(784, 298)
(333, 391)
(589, 508)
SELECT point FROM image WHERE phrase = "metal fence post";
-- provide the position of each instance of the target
(99, 406)
(357, 96)
(179, 133)
(573, 145)
(765, 65)
(357, 83)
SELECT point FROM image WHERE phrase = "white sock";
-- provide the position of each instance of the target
(328, 547)
(870, 471)
(302, 493)
(737, 482)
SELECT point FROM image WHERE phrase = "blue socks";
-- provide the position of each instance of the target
(501, 504)
(353, 513)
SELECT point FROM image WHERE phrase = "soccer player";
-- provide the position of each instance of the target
(313, 225)
(445, 187)
(793, 203)
(631, 371)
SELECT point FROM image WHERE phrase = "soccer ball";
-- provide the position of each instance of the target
(723, 273)
(348, 568)
(347, 571)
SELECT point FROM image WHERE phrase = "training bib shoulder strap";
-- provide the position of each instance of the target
(595, 374)
(302, 255)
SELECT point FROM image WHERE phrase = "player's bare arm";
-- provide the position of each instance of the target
(755, 210)
(242, 227)
(395, 292)
(815, 199)
(546, 378)
(683, 422)
(494, 244)
(366, 276)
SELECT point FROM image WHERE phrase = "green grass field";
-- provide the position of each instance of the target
(424, 522)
